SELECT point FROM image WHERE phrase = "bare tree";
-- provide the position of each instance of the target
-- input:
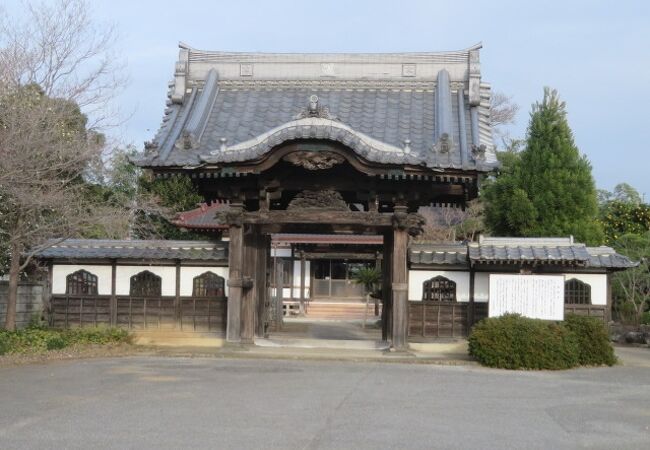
(52, 64)
(502, 113)
(447, 224)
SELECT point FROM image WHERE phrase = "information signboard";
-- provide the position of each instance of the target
(534, 296)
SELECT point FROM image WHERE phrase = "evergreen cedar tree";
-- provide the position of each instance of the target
(547, 189)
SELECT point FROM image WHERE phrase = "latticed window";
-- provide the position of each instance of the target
(145, 284)
(439, 289)
(577, 292)
(208, 284)
(81, 282)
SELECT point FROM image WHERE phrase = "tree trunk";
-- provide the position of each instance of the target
(12, 295)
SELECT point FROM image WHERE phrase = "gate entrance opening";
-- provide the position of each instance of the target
(325, 287)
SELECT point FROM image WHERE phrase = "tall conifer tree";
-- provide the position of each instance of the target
(547, 189)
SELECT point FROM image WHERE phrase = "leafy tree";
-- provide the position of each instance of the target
(623, 212)
(148, 203)
(175, 195)
(547, 189)
(623, 192)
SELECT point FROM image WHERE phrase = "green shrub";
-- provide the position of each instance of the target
(55, 343)
(593, 340)
(37, 338)
(645, 318)
(4, 343)
(99, 335)
(515, 342)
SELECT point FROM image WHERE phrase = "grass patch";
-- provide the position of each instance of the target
(35, 339)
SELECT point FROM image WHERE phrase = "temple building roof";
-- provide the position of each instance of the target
(518, 251)
(201, 218)
(427, 109)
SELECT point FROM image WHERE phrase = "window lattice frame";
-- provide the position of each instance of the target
(577, 292)
(209, 284)
(145, 284)
(439, 289)
(81, 282)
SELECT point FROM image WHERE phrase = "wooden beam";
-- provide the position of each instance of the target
(319, 217)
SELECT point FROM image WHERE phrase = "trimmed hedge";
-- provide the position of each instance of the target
(593, 340)
(515, 342)
(37, 339)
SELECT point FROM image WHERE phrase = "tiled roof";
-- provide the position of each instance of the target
(201, 218)
(136, 249)
(452, 254)
(576, 253)
(520, 250)
(607, 257)
(423, 109)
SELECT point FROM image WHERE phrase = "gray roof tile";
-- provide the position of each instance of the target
(136, 249)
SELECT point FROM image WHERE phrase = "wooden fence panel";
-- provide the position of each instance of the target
(431, 319)
(79, 310)
(598, 311)
(146, 313)
(203, 314)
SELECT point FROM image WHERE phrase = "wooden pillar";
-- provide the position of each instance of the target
(177, 297)
(386, 289)
(113, 302)
(608, 309)
(235, 277)
(470, 311)
(249, 271)
(400, 288)
(378, 267)
(260, 284)
(303, 266)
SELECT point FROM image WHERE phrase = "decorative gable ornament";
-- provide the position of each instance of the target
(315, 109)
(314, 160)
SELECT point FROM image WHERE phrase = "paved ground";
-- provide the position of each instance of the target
(165, 402)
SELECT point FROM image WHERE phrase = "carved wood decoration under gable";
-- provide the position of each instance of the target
(314, 160)
(324, 200)
(413, 223)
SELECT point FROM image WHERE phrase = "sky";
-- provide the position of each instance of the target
(595, 53)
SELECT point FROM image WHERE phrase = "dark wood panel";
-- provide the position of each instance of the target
(74, 311)
(599, 311)
(431, 319)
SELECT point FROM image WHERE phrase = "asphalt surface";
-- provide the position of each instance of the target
(174, 403)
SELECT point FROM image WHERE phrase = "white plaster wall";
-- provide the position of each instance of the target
(417, 277)
(481, 287)
(189, 273)
(166, 273)
(598, 283)
(61, 271)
